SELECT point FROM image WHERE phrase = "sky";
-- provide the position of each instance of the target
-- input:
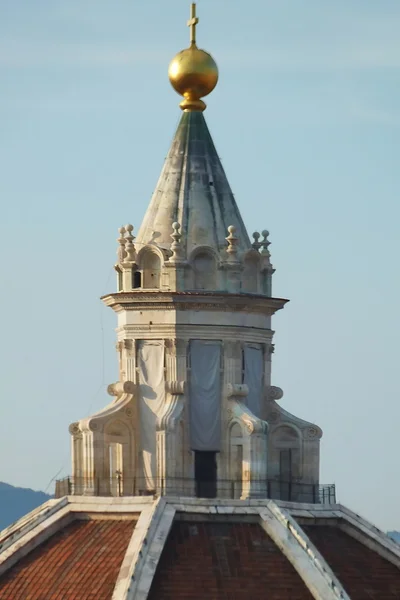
(306, 120)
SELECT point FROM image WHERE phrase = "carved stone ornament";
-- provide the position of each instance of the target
(275, 393)
(233, 241)
(274, 417)
(176, 388)
(121, 387)
(121, 253)
(130, 251)
(256, 244)
(74, 428)
(249, 426)
(313, 433)
(127, 344)
(176, 347)
(240, 390)
(171, 415)
(176, 246)
(129, 412)
(93, 426)
(271, 348)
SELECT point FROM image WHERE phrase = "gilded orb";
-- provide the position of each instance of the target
(193, 73)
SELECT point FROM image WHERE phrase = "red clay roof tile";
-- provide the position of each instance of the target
(361, 571)
(224, 560)
(80, 562)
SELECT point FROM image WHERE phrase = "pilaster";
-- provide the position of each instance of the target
(171, 424)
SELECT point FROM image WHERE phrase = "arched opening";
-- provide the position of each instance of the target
(204, 271)
(250, 281)
(151, 270)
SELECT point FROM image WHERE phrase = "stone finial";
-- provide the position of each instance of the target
(130, 250)
(121, 253)
(176, 246)
(256, 244)
(265, 243)
(232, 242)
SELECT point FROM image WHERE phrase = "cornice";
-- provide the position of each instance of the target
(207, 301)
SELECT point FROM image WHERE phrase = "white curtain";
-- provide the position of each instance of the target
(151, 400)
(253, 376)
(205, 395)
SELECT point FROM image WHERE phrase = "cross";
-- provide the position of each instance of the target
(193, 21)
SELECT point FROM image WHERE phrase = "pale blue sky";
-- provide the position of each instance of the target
(306, 119)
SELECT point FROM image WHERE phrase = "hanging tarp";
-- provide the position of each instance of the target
(205, 395)
(150, 358)
(253, 376)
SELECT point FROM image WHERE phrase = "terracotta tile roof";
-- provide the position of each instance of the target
(363, 573)
(224, 560)
(79, 562)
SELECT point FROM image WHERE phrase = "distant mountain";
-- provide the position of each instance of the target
(395, 535)
(16, 502)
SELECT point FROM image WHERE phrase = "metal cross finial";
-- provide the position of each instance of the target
(193, 21)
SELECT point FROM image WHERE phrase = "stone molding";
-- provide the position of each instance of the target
(213, 301)
(237, 390)
(121, 387)
(121, 407)
(301, 553)
(175, 388)
(308, 431)
(185, 332)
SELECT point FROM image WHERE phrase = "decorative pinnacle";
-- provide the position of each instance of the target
(193, 21)
(265, 243)
(256, 244)
(176, 236)
(176, 246)
(121, 253)
(232, 242)
(129, 247)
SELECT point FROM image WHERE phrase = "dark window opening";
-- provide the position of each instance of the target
(205, 472)
(120, 283)
(285, 467)
(137, 279)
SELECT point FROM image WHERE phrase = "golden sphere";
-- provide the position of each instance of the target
(193, 73)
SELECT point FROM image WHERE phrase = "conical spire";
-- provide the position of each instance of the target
(193, 190)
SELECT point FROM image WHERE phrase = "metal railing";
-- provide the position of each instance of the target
(292, 491)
